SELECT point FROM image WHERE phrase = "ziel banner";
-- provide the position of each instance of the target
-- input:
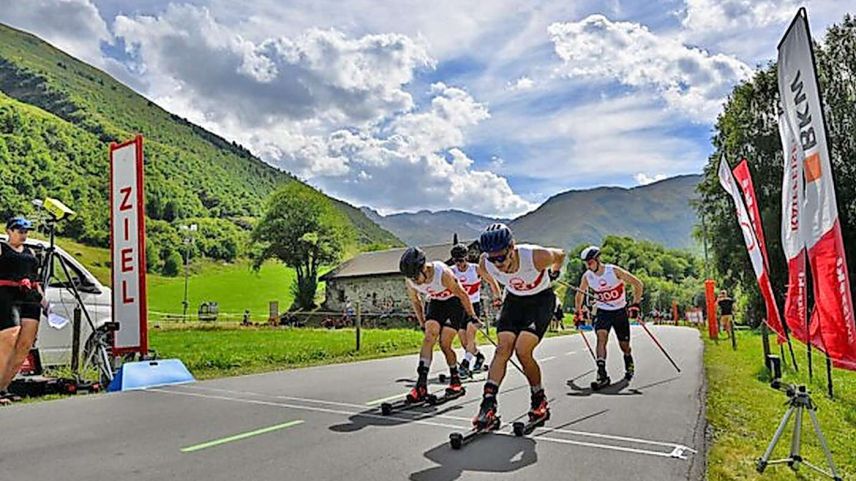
(128, 246)
(800, 96)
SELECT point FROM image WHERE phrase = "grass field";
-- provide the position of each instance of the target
(743, 412)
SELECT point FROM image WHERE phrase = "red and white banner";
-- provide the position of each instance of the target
(128, 246)
(744, 179)
(800, 95)
(793, 243)
(730, 185)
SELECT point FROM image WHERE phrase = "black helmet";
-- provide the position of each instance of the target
(411, 262)
(495, 238)
(460, 251)
(589, 253)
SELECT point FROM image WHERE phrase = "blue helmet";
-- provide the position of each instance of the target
(20, 223)
(495, 238)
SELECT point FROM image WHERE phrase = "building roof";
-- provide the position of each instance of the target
(386, 262)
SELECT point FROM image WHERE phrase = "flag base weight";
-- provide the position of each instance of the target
(146, 374)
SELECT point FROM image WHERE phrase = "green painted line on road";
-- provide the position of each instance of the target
(238, 437)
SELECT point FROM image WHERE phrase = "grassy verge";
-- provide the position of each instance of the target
(218, 351)
(743, 412)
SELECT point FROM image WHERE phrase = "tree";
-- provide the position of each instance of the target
(748, 127)
(301, 228)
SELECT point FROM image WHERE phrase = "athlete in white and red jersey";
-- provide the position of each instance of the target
(609, 283)
(448, 307)
(526, 271)
(470, 276)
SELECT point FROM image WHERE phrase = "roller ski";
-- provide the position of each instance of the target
(419, 397)
(538, 415)
(486, 421)
(602, 380)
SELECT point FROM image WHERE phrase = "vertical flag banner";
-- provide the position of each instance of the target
(128, 246)
(793, 243)
(800, 95)
(710, 297)
(730, 185)
(744, 179)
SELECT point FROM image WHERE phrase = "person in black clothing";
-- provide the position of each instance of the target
(20, 301)
(726, 306)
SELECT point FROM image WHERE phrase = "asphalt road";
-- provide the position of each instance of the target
(323, 423)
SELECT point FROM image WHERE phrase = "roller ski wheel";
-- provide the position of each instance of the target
(442, 378)
(600, 384)
(456, 440)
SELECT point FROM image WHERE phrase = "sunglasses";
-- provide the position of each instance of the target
(498, 259)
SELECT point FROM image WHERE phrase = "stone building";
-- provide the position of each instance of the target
(373, 279)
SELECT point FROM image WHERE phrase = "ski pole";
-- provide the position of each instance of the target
(642, 323)
(487, 335)
(585, 339)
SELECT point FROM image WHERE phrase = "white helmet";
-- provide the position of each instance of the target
(590, 253)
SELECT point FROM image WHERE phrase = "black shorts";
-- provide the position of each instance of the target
(616, 319)
(527, 313)
(16, 304)
(449, 313)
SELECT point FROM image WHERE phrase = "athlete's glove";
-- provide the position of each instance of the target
(554, 275)
(468, 319)
(634, 310)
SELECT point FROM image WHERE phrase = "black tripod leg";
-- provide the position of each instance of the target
(823, 445)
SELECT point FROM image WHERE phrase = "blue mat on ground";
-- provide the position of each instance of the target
(146, 374)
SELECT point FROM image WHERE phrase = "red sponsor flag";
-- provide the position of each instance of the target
(793, 242)
(744, 179)
(800, 95)
(730, 185)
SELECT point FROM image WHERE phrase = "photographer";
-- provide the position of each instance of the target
(20, 302)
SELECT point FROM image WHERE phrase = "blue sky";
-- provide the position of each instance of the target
(489, 107)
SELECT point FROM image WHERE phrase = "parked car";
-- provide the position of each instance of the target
(54, 345)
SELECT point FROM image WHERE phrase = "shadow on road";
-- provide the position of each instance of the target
(373, 417)
(614, 389)
(491, 454)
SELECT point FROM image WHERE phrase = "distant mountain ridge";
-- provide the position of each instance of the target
(660, 212)
(426, 227)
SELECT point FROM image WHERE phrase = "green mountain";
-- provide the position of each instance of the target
(426, 227)
(57, 117)
(658, 212)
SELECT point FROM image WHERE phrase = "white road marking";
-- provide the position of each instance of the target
(676, 450)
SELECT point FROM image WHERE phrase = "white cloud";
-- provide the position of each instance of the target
(74, 26)
(692, 81)
(522, 83)
(645, 179)
(320, 74)
(719, 16)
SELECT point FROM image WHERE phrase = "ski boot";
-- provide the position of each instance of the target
(464, 369)
(629, 367)
(602, 378)
(479, 364)
(419, 392)
(538, 407)
(455, 385)
(486, 418)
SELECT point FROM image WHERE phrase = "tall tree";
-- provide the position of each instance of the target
(303, 229)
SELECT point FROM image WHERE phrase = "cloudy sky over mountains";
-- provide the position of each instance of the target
(489, 107)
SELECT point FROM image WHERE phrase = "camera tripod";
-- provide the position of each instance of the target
(99, 344)
(799, 401)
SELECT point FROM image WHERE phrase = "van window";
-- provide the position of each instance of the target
(59, 278)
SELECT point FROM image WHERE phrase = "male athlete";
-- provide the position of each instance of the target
(526, 272)
(470, 276)
(608, 281)
(447, 301)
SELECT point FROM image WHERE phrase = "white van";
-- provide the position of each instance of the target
(54, 345)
